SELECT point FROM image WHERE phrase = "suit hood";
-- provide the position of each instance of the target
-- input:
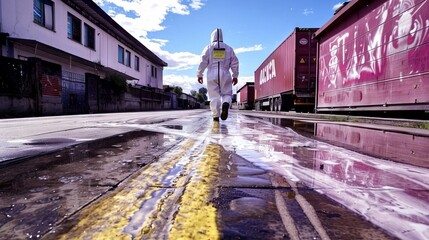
(217, 35)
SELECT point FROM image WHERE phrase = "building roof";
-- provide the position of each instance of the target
(96, 15)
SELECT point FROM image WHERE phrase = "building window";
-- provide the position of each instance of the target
(137, 64)
(43, 11)
(74, 28)
(89, 36)
(154, 72)
(127, 58)
(120, 54)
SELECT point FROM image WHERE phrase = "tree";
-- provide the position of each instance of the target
(178, 90)
(116, 83)
(203, 92)
(201, 95)
(200, 98)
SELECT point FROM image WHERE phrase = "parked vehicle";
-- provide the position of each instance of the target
(286, 80)
(374, 56)
(246, 96)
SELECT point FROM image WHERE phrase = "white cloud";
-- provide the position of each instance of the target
(139, 17)
(187, 60)
(337, 6)
(176, 60)
(196, 4)
(256, 47)
(242, 81)
(308, 11)
(187, 83)
(148, 14)
(182, 60)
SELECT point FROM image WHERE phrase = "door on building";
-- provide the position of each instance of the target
(91, 93)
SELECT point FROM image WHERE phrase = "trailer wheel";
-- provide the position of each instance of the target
(279, 104)
(275, 104)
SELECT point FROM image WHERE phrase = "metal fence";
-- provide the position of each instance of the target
(15, 78)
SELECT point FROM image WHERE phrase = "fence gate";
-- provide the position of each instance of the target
(73, 95)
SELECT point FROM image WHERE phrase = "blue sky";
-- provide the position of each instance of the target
(178, 30)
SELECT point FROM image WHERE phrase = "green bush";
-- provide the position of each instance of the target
(117, 83)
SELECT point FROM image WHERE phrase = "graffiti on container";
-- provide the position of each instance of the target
(388, 42)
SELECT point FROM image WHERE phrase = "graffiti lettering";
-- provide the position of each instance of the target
(372, 48)
(268, 72)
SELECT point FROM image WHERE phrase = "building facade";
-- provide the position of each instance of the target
(74, 45)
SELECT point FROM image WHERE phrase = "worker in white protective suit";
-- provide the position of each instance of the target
(219, 59)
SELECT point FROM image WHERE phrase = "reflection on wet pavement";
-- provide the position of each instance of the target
(262, 178)
(245, 200)
(396, 146)
(391, 194)
(38, 193)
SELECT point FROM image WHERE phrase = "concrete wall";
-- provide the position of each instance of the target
(14, 106)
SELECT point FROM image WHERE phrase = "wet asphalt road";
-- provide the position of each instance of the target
(250, 177)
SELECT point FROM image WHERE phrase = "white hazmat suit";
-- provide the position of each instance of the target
(219, 59)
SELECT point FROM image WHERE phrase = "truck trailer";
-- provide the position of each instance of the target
(246, 96)
(286, 80)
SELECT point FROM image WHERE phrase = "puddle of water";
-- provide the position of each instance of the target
(249, 213)
(7, 213)
(170, 179)
(302, 128)
(400, 147)
(70, 179)
(242, 181)
(373, 187)
(55, 185)
(142, 215)
(176, 127)
(249, 206)
(49, 141)
(389, 145)
(247, 171)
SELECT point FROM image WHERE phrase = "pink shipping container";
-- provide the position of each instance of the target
(287, 78)
(374, 55)
(246, 96)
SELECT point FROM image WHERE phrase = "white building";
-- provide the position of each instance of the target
(79, 38)
(78, 35)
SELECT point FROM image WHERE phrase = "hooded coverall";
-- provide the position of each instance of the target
(218, 58)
